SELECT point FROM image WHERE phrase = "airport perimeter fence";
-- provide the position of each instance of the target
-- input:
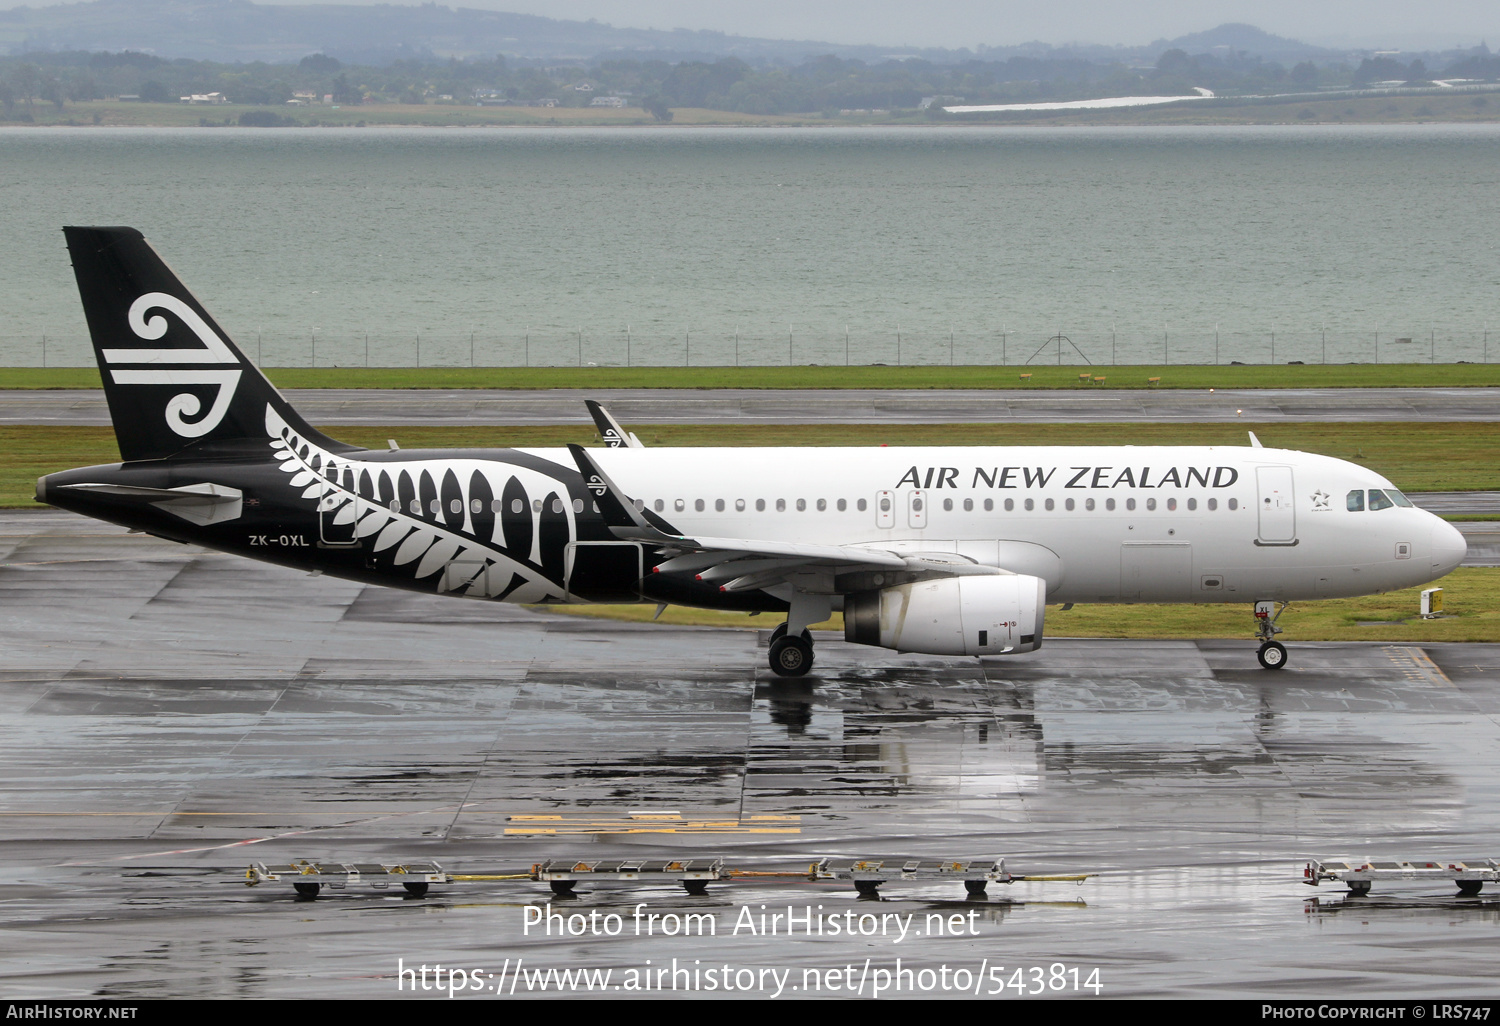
(798, 346)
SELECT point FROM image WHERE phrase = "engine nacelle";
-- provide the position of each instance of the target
(981, 615)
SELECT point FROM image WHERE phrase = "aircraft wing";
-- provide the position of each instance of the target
(748, 563)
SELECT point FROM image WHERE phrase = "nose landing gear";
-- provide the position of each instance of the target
(1272, 654)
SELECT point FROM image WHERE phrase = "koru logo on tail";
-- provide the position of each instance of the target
(597, 486)
(178, 366)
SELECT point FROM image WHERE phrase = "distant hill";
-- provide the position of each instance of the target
(239, 30)
(1249, 39)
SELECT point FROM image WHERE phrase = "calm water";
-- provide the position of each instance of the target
(543, 245)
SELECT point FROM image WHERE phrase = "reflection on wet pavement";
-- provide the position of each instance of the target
(173, 714)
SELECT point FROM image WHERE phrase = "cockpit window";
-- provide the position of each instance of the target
(1356, 501)
(1378, 500)
(1397, 497)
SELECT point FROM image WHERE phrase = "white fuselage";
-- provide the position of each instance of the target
(1099, 524)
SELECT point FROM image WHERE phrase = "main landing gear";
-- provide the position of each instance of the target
(791, 656)
(1272, 654)
(791, 643)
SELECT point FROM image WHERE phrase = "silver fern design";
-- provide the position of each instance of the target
(469, 522)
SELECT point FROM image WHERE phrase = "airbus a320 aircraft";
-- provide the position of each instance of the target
(950, 551)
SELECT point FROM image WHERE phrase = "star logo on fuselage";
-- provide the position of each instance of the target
(1320, 499)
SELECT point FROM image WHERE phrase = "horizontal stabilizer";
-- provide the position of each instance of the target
(202, 504)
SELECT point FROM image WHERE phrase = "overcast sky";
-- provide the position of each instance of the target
(954, 23)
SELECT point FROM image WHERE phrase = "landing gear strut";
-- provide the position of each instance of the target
(1272, 654)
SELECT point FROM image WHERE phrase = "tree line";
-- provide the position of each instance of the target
(821, 85)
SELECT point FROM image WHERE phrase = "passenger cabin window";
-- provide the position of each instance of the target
(1378, 500)
(861, 505)
(1356, 501)
(843, 505)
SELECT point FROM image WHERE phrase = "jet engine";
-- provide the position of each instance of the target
(971, 615)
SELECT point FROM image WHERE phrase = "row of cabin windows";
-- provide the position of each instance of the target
(760, 505)
(456, 506)
(496, 506)
(1379, 499)
(1072, 504)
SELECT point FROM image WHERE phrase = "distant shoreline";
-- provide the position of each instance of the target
(1460, 108)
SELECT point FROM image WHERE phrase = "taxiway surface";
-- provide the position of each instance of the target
(832, 406)
(173, 714)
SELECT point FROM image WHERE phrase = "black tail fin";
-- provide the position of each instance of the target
(172, 377)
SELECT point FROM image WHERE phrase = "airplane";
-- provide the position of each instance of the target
(941, 550)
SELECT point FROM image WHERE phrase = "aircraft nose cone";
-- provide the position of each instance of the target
(1449, 547)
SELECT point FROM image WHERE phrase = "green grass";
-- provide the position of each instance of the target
(1471, 601)
(1447, 375)
(1417, 456)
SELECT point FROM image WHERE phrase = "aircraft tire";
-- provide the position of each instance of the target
(1359, 888)
(416, 890)
(779, 632)
(1272, 655)
(307, 890)
(791, 657)
(1469, 888)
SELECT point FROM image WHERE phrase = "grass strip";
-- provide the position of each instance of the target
(1389, 375)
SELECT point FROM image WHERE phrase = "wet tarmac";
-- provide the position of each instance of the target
(174, 714)
(851, 406)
